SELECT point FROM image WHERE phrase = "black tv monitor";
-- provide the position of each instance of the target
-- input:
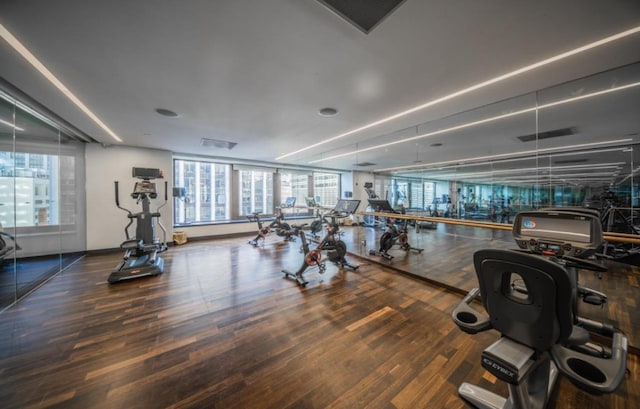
(347, 206)
(381, 205)
(146, 173)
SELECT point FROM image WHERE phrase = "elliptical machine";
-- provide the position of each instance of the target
(336, 249)
(141, 253)
(531, 298)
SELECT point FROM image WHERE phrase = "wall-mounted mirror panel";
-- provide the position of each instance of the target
(575, 144)
(8, 241)
(42, 196)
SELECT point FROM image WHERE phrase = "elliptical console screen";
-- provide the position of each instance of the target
(558, 232)
(144, 187)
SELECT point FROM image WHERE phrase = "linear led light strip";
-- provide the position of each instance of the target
(435, 167)
(17, 128)
(521, 153)
(558, 169)
(474, 87)
(483, 121)
(555, 175)
(24, 52)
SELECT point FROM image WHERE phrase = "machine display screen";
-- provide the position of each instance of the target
(557, 228)
(144, 187)
(347, 206)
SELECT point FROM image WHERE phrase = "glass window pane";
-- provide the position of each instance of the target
(326, 188)
(256, 192)
(205, 187)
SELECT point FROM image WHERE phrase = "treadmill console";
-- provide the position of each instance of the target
(558, 232)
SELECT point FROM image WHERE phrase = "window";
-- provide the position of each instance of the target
(326, 187)
(256, 192)
(206, 187)
(429, 193)
(294, 185)
(416, 198)
(25, 190)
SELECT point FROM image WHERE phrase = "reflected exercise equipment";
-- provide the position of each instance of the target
(370, 220)
(141, 253)
(8, 244)
(336, 249)
(316, 225)
(531, 297)
(395, 234)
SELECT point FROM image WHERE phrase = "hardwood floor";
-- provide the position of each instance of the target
(447, 261)
(222, 328)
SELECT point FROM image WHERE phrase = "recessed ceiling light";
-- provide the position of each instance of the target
(328, 111)
(166, 112)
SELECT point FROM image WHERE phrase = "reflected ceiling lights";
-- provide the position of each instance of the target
(510, 154)
(482, 121)
(475, 87)
(17, 128)
(24, 52)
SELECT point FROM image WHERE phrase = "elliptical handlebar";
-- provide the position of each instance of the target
(117, 193)
(164, 231)
(129, 213)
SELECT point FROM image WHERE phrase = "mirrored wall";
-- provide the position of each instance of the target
(569, 145)
(574, 144)
(42, 217)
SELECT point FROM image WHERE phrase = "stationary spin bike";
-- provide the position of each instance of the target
(336, 249)
(141, 253)
(395, 234)
(282, 228)
(316, 225)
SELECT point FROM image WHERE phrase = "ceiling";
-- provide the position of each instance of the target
(257, 72)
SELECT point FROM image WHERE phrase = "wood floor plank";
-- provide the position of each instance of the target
(223, 328)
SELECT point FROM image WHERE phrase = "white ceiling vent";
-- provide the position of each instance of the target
(213, 143)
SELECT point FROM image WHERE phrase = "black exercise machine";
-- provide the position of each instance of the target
(316, 224)
(394, 234)
(8, 244)
(141, 253)
(282, 228)
(531, 297)
(374, 206)
(336, 249)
